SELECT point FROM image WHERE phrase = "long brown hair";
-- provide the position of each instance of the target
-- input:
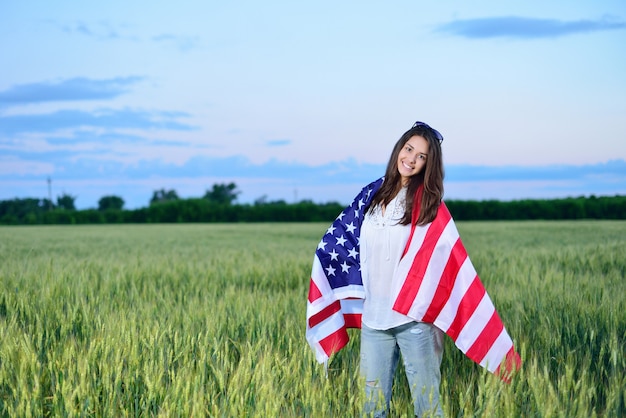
(429, 180)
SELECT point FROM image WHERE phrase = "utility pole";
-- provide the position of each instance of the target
(49, 193)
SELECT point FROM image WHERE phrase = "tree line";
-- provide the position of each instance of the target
(218, 205)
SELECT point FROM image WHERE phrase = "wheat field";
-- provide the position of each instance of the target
(195, 320)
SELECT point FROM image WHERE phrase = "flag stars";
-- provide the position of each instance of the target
(341, 240)
(321, 245)
(333, 255)
(330, 271)
(350, 227)
(331, 229)
(353, 253)
(345, 268)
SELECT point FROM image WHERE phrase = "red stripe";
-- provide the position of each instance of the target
(352, 320)
(512, 362)
(414, 278)
(314, 292)
(457, 257)
(324, 313)
(485, 340)
(335, 341)
(470, 300)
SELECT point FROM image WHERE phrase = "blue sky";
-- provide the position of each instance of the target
(304, 100)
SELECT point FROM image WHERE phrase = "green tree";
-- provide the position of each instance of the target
(66, 201)
(160, 196)
(223, 193)
(46, 204)
(110, 202)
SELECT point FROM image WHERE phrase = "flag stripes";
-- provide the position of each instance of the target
(446, 283)
(435, 282)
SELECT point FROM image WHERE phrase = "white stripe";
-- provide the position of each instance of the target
(321, 303)
(348, 306)
(433, 273)
(319, 278)
(328, 296)
(476, 324)
(320, 354)
(352, 306)
(463, 281)
(328, 326)
(322, 330)
(350, 291)
(497, 352)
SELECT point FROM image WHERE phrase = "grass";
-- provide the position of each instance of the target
(209, 320)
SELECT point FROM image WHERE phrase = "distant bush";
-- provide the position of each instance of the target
(41, 211)
(553, 209)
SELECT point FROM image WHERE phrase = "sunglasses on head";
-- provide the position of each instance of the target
(435, 132)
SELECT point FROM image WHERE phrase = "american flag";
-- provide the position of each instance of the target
(435, 282)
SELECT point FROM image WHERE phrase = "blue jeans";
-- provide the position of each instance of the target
(421, 346)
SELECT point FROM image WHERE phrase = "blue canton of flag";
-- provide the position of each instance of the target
(338, 251)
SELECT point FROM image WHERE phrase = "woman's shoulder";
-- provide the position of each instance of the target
(372, 187)
(367, 192)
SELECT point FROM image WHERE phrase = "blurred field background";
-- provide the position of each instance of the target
(209, 320)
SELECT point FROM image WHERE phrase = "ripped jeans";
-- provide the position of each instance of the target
(421, 346)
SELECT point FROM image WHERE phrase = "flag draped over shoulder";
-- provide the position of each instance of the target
(435, 282)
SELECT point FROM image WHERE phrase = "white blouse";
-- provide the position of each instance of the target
(382, 242)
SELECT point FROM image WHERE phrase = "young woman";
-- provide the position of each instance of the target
(415, 164)
(393, 264)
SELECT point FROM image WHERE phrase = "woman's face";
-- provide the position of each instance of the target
(412, 157)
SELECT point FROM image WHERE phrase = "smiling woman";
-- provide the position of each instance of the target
(405, 280)
(412, 158)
